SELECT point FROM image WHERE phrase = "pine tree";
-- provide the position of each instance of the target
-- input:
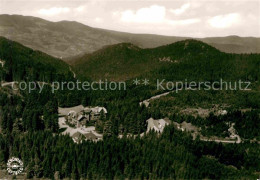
(108, 128)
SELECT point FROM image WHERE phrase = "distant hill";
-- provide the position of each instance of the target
(234, 44)
(184, 59)
(21, 63)
(115, 62)
(66, 39)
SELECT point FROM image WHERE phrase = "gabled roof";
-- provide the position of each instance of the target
(80, 117)
(102, 108)
(96, 109)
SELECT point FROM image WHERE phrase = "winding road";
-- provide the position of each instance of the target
(147, 101)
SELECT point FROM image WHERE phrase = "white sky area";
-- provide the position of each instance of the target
(192, 18)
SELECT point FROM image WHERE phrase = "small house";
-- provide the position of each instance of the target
(156, 125)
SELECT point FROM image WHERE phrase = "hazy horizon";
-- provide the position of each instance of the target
(231, 35)
(192, 18)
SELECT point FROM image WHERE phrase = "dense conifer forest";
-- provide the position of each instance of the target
(30, 131)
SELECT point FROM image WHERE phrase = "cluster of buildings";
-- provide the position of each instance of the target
(80, 115)
(75, 121)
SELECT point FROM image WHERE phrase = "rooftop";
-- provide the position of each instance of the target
(65, 111)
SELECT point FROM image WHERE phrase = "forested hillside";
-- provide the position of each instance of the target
(22, 63)
(115, 62)
(201, 62)
(189, 59)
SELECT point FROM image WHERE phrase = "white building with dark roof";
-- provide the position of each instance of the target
(156, 125)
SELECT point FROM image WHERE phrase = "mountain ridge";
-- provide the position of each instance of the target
(124, 61)
(66, 39)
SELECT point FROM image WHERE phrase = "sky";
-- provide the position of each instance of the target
(189, 18)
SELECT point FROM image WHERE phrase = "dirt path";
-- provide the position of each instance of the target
(8, 83)
(74, 74)
(147, 101)
(222, 141)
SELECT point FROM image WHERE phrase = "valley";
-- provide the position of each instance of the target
(139, 132)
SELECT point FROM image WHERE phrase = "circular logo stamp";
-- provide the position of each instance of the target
(14, 166)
